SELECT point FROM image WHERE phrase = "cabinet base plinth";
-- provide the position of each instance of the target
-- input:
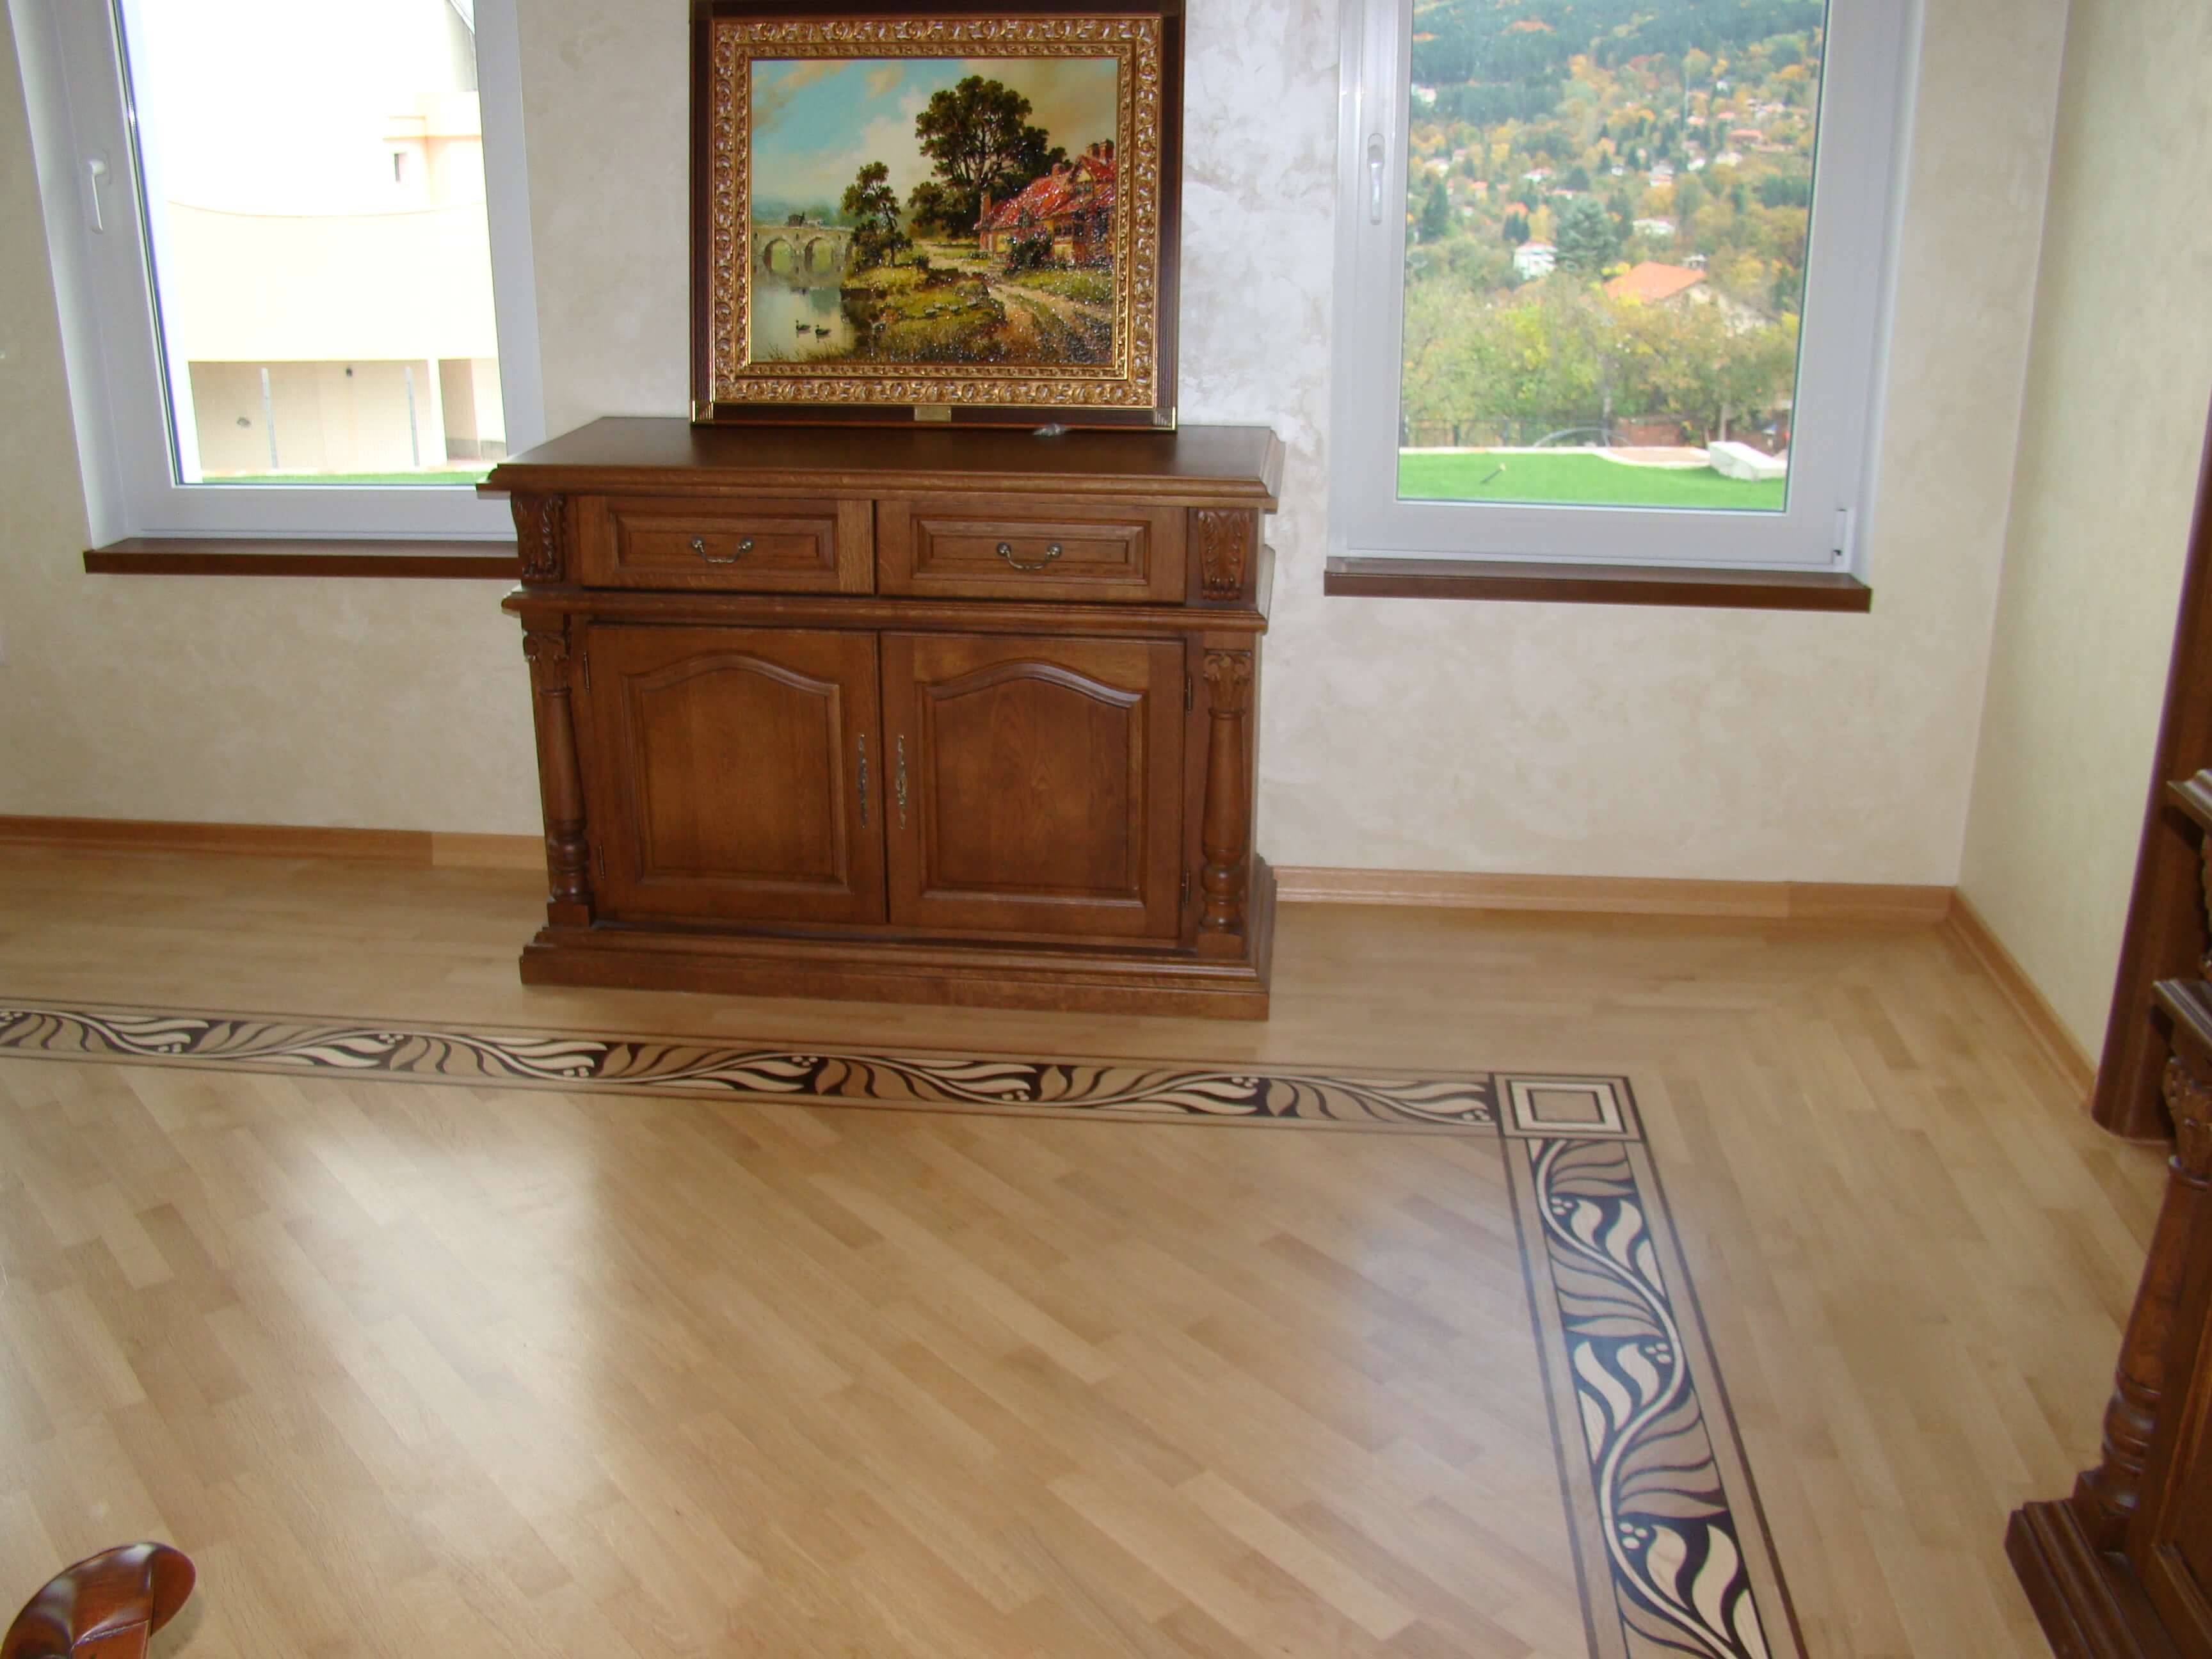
(2089, 1604)
(979, 976)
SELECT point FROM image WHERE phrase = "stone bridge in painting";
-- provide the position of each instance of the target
(798, 252)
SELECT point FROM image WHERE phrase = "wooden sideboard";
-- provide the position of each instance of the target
(913, 714)
(2123, 1568)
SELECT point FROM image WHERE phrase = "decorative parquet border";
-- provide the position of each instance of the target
(1672, 1549)
(1659, 1493)
(669, 1066)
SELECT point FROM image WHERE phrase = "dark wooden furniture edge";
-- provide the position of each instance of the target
(870, 611)
(107, 1604)
(2089, 1602)
(2194, 797)
(2092, 1564)
(2165, 931)
(413, 561)
(1355, 576)
(663, 456)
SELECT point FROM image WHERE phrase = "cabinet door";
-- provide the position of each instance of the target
(738, 774)
(1036, 784)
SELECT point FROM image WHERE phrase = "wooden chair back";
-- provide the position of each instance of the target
(103, 1607)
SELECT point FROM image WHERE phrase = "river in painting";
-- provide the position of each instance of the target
(795, 323)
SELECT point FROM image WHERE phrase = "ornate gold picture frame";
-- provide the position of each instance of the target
(959, 213)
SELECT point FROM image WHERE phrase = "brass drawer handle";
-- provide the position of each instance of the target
(698, 546)
(1051, 553)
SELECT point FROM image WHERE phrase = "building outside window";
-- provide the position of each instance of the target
(310, 292)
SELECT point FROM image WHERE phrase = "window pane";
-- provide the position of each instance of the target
(1607, 209)
(313, 178)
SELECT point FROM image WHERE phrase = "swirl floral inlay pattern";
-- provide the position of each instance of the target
(656, 1066)
(1673, 1540)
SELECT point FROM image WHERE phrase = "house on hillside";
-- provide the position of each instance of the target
(1073, 205)
(1653, 283)
(1535, 259)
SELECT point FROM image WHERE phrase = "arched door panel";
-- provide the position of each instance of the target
(732, 770)
(1043, 784)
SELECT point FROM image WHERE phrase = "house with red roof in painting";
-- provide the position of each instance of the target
(1073, 205)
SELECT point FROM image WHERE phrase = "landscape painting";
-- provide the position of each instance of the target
(940, 215)
(934, 210)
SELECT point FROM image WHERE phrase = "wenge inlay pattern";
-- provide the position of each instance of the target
(1675, 1560)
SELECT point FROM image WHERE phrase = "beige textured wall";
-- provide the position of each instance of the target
(2122, 371)
(1506, 738)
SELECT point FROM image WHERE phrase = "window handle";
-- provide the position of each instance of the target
(1374, 179)
(95, 178)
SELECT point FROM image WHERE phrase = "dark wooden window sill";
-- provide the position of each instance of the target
(1592, 584)
(218, 555)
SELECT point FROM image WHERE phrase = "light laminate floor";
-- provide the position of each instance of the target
(1281, 1393)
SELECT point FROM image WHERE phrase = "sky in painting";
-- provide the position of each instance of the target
(817, 122)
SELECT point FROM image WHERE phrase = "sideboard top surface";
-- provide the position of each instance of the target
(1200, 465)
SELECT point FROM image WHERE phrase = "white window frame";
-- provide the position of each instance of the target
(97, 234)
(1850, 271)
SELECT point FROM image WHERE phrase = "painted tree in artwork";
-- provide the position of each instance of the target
(872, 208)
(931, 208)
(979, 140)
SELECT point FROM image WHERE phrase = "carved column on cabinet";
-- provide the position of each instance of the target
(1225, 538)
(1225, 830)
(540, 526)
(2105, 1497)
(560, 778)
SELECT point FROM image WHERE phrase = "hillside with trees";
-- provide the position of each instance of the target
(1588, 137)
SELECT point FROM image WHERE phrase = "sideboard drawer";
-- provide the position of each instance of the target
(991, 548)
(757, 545)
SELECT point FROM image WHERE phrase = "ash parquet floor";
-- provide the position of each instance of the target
(415, 1368)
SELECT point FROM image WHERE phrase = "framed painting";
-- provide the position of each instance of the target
(960, 213)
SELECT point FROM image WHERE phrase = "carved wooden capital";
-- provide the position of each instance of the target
(1228, 677)
(1225, 552)
(548, 653)
(2189, 1098)
(540, 526)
